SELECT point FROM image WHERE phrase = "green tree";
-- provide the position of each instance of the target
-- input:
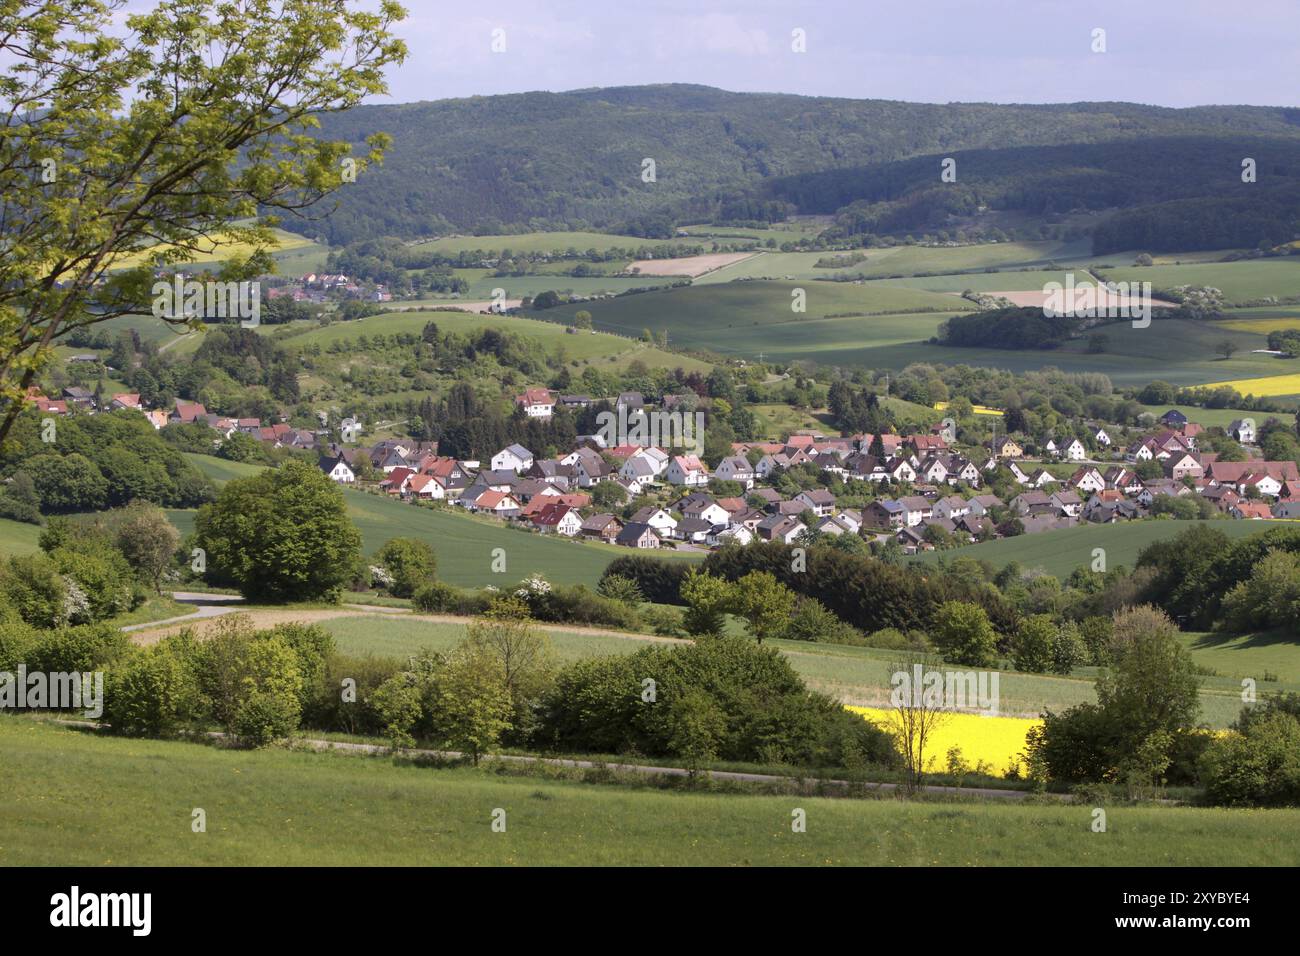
(154, 134)
(148, 541)
(1034, 643)
(281, 535)
(708, 599)
(765, 603)
(472, 700)
(963, 633)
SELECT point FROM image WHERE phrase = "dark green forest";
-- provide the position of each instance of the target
(538, 161)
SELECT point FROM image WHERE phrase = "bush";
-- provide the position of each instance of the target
(410, 563)
(155, 693)
(597, 705)
(1034, 644)
(1257, 767)
(618, 588)
(439, 597)
(812, 622)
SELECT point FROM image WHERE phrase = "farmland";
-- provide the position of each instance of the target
(274, 807)
(1240, 282)
(1060, 551)
(858, 676)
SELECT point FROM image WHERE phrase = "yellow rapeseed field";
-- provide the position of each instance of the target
(996, 741)
(978, 409)
(1269, 385)
(1262, 326)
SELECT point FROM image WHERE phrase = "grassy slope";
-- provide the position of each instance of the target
(1239, 281)
(279, 808)
(17, 537)
(1060, 552)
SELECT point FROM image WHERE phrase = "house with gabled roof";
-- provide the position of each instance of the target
(817, 500)
(601, 527)
(536, 402)
(557, 519)
(687, 471)
(635, 534)
(884, 513)
(514, 458)
(736, 468)
(337, 469)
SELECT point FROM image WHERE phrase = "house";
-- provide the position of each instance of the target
(1074, 451)
(602, 527)
(884, 513)
(962, 469)
(1087, 480)
(770, 464)
(1184, 465)
(926, 445)
(819, 501)
(337, 469)
(695, 530)
(1221, 496)
(1262, 482)
(981, 505)
(736, 534)
(184, 412)
(637, 535)
(1141, 450)
(917, 508)
(1102, 438)
(514, 458)
(933, 470)
(1251, 510)
(704, 508)
(849, 518)
(591, 468)
(396, 482)
(661, 521)
(1006, 447)
(1067, 502)
(638, 470)
(1243, 430)
(833, 525)
(79, 396)
(736, 468)
(502, 504)
(1287, 509)
(557, 519)
(425, 488)
(1122, 479)
(1050, 447)
(951, 507)
(1033, 503)
(687, 470)
(536, 402)
(1173, 418)
(900, 469)
(782, 528)
(529, 488)
(1232, 473)
(630, 403)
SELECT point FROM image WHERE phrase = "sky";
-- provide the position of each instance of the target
(1164, 52)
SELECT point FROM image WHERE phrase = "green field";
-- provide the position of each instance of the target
(18, 537)
(75, 798)
(853, 675)
(746, 318)
(1060, 552)
(400, 636)
(1242, 281)
(538, 242)
(576, 347)
(465, 544)
(1248, 655)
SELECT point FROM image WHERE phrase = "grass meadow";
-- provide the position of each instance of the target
(78, 798)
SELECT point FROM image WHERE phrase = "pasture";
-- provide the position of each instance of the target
(1059, 552)
(1240, 282)
(553, 242)
(283, 808)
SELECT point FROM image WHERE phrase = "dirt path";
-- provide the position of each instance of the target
(203, 619)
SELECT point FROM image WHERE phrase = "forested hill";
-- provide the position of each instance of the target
(568, 160)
